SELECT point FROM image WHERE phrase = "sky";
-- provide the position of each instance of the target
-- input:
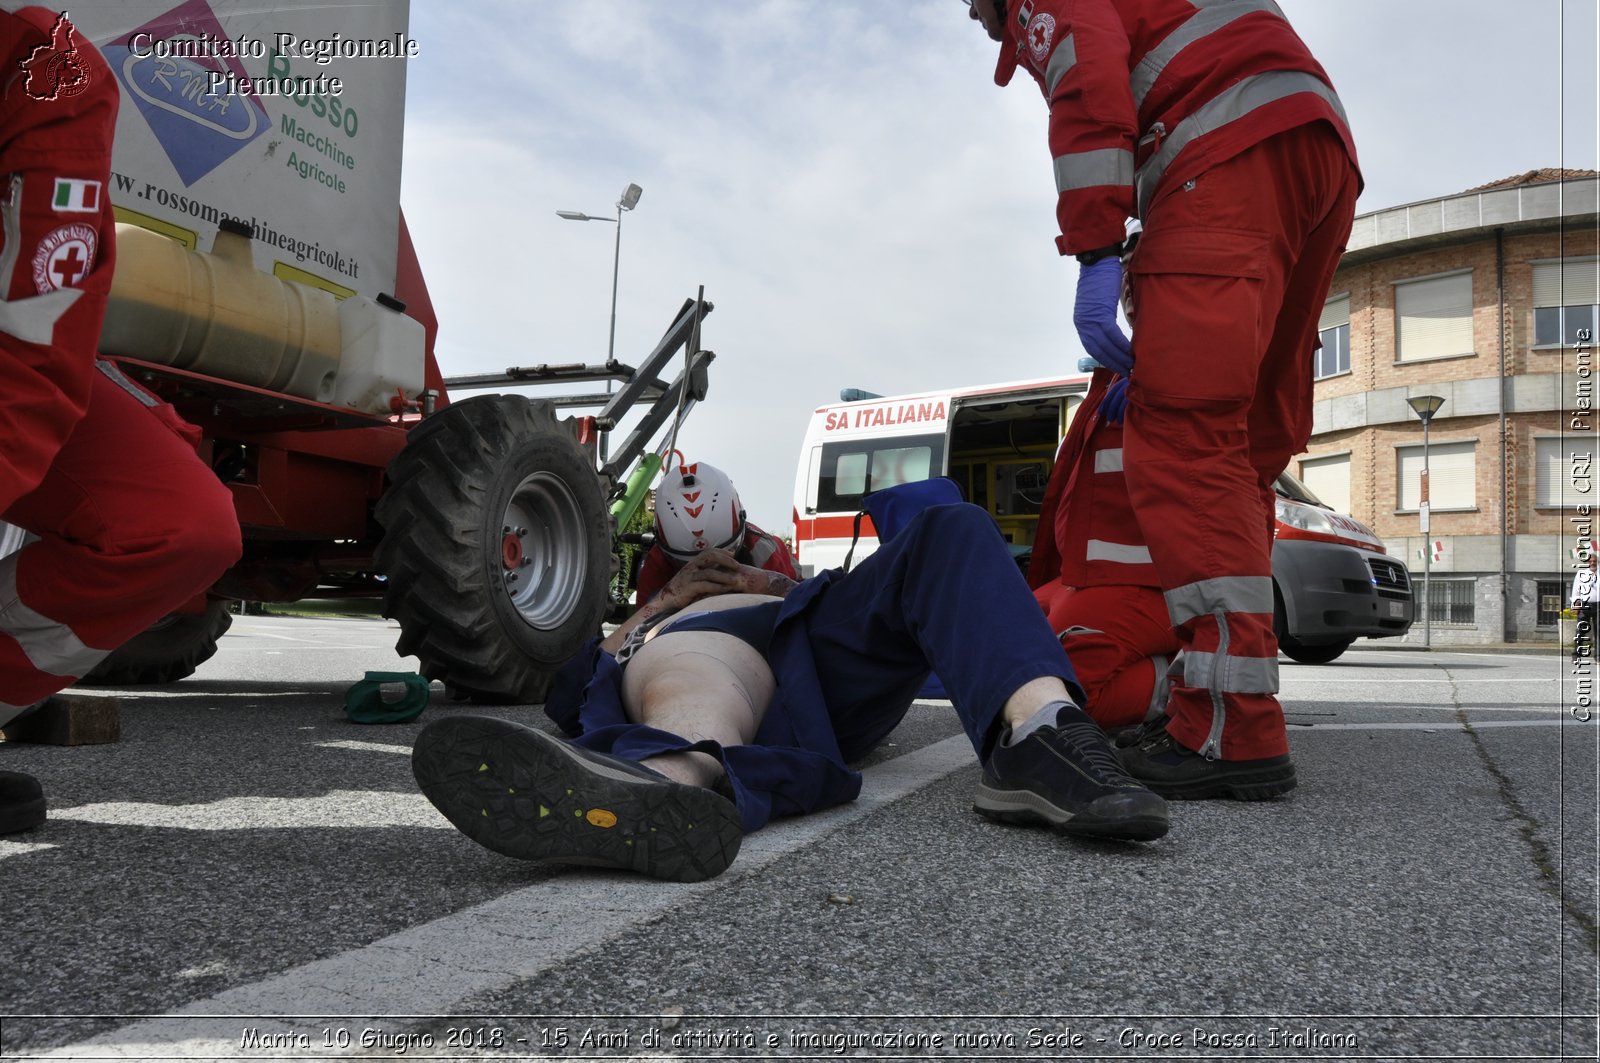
(864, 207)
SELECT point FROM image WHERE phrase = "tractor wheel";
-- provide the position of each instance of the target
(496, 547)
(167, 651)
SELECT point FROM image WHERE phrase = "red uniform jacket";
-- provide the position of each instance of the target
(1146, 94)
(759, 548)
(58, 107)
(1087, 535)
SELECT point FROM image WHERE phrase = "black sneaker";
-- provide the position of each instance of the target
(1173, 770)
(530, 795)
(21, 802)
(1067, 777)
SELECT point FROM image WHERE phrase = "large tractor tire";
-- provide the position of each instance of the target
(496, 547)
(167, 651)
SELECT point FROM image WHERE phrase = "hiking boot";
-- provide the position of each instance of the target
(532, 796)
(21, 802)
(1067, 777)
(1173, 770)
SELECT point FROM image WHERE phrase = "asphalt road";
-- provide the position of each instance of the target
(247, 874)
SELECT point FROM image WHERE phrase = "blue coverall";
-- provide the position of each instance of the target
(849, 652)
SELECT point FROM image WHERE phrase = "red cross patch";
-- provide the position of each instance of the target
(1041, 33)
(64, 257)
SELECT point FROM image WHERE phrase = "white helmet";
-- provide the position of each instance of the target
(697, 508)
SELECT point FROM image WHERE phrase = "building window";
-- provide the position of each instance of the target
(1552, 597)
(1452, 476)
(1557, 463)
(1329, 479)
(1566, 294)
(1333, 329)
(1452, 601)
(1434, 317)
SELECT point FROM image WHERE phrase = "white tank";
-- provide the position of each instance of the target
(382, 355)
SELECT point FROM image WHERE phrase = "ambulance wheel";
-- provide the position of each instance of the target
(1317, 654)
(167, 651)
(496, 547)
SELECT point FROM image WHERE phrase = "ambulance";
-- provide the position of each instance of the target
(1333, 579)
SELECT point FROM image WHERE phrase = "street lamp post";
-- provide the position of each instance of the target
(627, 201)
(1425, 406)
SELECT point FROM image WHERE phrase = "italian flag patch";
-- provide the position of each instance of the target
(75, 196)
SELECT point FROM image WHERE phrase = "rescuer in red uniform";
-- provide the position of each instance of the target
(129, 524)
(1213, 125)
(697, 507)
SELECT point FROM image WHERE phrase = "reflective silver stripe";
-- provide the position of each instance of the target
(1233, 675)
(1120, 553)
(49, 646)
(1231, 105)
(1091, 169)
(11, 712)
(1108, 460)
(33, 320)
(1229, 594)
(1063, 59)
(1161, 691)
(11, 220)
(117, 377)
(1210, 18)
(1211, 748)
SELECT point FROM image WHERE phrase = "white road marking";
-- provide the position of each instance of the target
(428, 968)
(1443, 726)
(337, 808)
(10, 848)
(366, 747)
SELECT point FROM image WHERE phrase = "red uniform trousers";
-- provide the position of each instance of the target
(1228, 281)
(1093, 575)
(1120, 642)
(129, 524)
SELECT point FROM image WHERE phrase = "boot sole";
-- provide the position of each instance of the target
(1258, 785)
(528, 795)
(1025, 808)
(24, 815)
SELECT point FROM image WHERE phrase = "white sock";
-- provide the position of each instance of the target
(1045, 717)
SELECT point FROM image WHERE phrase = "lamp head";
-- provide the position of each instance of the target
(1425, 406)
(572, 215)
(630, 197)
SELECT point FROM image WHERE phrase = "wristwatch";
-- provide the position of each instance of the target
(1089, 258)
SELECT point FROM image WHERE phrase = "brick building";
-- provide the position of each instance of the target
(1489, 300)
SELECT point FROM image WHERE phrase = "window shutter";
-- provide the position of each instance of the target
(1329, 480)
(1452, 476)
(1553, 467)
(1434, 317)
(1568, 282)
(1335, 312)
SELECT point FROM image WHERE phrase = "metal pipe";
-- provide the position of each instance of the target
(1500, 286)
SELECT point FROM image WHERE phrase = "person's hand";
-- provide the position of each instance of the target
(759, 581)
(1095, 315)
(1114, 403)
(709, 572)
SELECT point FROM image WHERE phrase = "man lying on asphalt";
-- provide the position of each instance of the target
(695, 726)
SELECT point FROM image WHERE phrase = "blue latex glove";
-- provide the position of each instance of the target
(1095, 315)
(1114, 403)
